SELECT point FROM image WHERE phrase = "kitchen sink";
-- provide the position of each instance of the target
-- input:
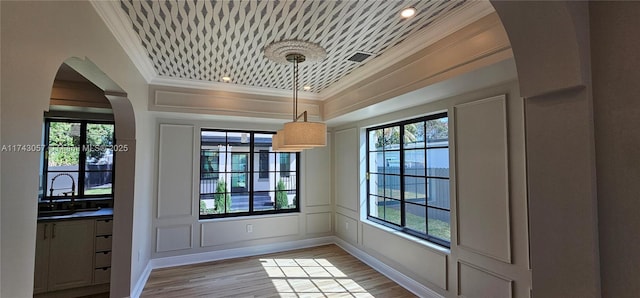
(56, 213)
(65, 212)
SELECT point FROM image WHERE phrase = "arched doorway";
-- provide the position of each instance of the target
(124, 171)
(550, 42)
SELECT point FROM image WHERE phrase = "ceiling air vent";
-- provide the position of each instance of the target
(359, 56)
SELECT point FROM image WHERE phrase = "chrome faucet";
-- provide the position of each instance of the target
(73, 188)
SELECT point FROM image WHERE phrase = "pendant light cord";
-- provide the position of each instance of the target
(295, 89)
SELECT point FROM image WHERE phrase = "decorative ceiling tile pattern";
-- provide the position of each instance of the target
(206, 40)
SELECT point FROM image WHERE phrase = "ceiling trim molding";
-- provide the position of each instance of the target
(443, 27)
(215, 102)
(117, 22)
(230, 87)
(480, 44)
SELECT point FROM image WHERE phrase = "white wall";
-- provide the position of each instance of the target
(37, 37)
(487, 257)
(176, 227)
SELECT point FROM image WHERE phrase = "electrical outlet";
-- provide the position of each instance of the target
(249, 228)
(346, 226)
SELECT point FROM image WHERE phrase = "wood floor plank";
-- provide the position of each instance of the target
(323, 271)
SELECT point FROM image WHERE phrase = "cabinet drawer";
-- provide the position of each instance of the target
(103, 259)
(101, 275)
(104, 227)
(103, 243)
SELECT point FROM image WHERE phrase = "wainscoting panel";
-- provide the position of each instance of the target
(346, 168)
(219, 232)
(319, 223)
(317, 187)
(175, 171)
(424, 262)
(476, 282)
(482, 178)
(175, 237)
(347, 228)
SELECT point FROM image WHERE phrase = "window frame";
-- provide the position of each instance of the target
(82, 160)
(252, 174)
(401, 151)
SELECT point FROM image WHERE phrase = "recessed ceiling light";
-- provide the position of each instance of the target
(306, 88)
(408, 12)
(226, 79)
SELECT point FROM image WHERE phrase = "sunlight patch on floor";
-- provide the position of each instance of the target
(310, 278)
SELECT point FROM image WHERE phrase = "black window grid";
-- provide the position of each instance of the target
(402, 226)
(251, 173)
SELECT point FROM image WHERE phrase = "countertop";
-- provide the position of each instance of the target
(102, 212)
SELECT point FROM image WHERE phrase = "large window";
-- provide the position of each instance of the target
(408, 177)
(78, 159)
(241, 175)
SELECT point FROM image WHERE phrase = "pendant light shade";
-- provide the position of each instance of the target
(278, 144)
(302, 133)
(299, 134)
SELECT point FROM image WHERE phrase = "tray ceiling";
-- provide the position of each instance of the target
(202, 41)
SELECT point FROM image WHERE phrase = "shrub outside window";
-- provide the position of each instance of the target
(408, 177)
(241, 175)
(78, 160)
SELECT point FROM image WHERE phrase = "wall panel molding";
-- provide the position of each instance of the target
(175, 171)
(174, 237)
(482, 178)
(431, 266)
(319, 223)
(317, 188)
(224, 231)
(474, 281)
(346, 168)
(173, 99)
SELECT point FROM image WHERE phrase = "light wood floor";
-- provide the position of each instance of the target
(324, 271)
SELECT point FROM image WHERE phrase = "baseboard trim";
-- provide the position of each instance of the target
(238, 252)
(224, 255)
(393, 274)
(408, 283)
(142, 281)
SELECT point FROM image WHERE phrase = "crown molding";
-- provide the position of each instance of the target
(230, 87)
(117, 22)
(443, 27)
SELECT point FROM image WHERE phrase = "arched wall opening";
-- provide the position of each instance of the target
(124, 175)
(550, 42)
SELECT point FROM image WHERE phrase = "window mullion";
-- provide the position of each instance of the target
(250, 166)
(82, 158)
(426, 183)
(403, 215)
(45, 175)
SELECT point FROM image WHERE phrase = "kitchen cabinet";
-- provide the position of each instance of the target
(64, 255)
(41, 271)
(102, 262)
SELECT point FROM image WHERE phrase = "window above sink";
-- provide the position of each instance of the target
(78, 159)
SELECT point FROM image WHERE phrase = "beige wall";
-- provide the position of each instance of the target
(176, 227)
(615, 65)
(489, 247)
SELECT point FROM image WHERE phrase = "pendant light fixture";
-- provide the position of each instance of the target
(299, 134)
